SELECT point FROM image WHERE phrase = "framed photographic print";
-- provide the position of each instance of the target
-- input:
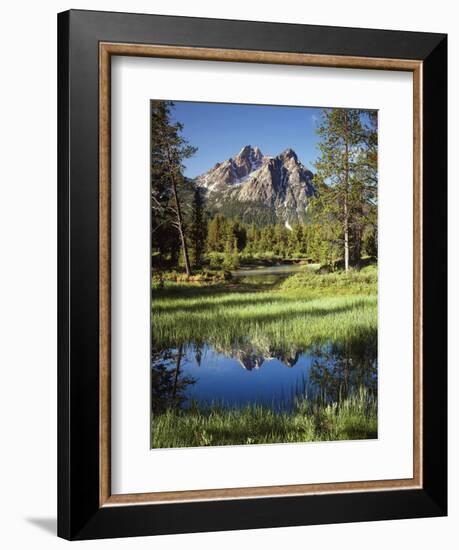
(252, 275)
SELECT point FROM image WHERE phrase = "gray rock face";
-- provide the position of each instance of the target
(281, 185)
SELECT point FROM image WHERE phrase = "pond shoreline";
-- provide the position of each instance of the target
(236, 340)
(280, 269)
(309, 421)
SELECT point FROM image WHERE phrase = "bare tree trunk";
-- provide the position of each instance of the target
(346, 197)
(180, 227)
(346, 234)
(178, 211)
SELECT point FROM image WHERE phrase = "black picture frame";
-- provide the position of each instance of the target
(79, 513)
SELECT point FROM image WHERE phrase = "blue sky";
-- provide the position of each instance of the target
(220, 130)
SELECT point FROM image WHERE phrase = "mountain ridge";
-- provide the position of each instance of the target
(253, 185)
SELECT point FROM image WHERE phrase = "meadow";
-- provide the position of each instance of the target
(303, 310)
(306, 308)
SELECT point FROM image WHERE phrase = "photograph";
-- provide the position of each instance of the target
(264, 274)
(252, 319)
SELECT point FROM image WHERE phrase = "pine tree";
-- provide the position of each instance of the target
(281, 238)
(228, 255)
(198, 228)
(235, 255)
(253, 237)
(168, 150)
(267, 239)
(366, 218)
(216, 234)
(346, 176)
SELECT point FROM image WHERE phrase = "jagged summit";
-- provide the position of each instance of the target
(249, 159)
(254, 186)
(248, 151)
(289, 154)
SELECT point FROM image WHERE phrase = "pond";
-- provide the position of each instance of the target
(246, 375)
(251, 371)
(266, 275)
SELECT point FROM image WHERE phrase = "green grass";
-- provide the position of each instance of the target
(355, 282)
(306, 309)
(353, 418)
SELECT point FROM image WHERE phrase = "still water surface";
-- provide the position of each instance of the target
(247, 374)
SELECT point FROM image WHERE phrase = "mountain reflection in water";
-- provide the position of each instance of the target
(245, 373)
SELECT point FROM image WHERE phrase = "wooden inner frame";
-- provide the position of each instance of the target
(106, 51)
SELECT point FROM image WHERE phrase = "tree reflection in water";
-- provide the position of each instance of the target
(340, 369)
(333, 372)
(168, 383)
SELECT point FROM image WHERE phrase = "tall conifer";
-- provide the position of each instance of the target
(346, 176)
(168, 150)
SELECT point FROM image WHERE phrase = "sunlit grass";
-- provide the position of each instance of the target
(304, 310)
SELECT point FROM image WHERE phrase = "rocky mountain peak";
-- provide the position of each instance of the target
(288, 154)
(248, 159)
(251, 184)
(248, 151)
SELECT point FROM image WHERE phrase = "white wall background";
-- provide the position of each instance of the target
(28, 270)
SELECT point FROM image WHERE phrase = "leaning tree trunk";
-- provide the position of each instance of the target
(180, 225)
(181, 229)
(346, 196)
